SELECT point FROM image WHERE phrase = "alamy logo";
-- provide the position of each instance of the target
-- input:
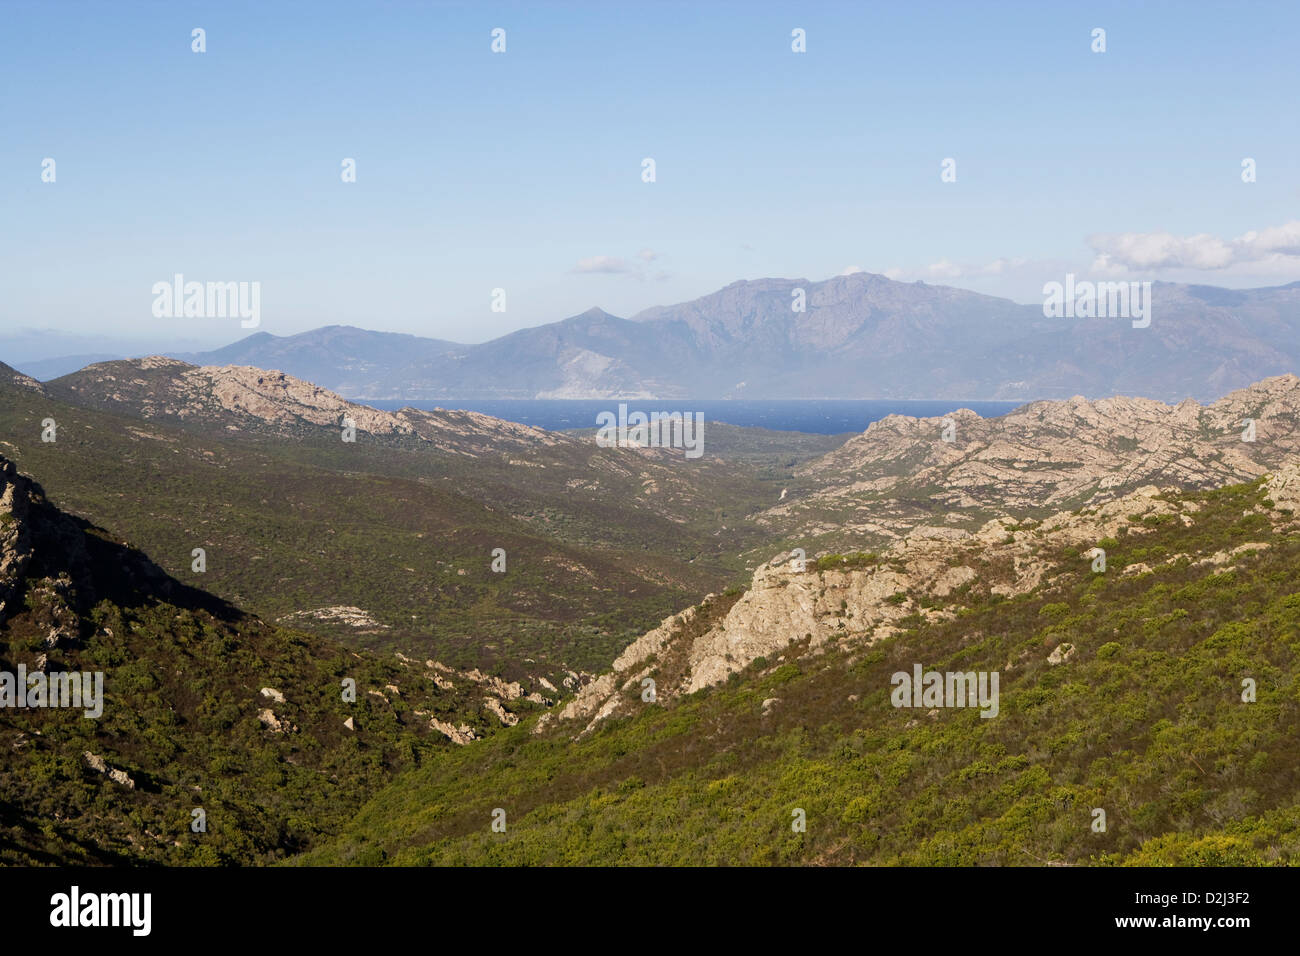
(76, 689)
(103, 909)
(208, 300)
(1100, 300)
(953, 689)
(656, 430)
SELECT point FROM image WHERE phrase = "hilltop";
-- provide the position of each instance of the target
(961, 470)
(242, 398)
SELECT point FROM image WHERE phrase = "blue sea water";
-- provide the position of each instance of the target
(821, 417)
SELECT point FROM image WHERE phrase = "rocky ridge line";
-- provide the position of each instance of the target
(858, 607)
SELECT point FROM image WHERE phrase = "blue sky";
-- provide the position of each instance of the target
(522, 170)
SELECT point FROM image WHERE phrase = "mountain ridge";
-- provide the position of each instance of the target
(861, 335)
(962, 469)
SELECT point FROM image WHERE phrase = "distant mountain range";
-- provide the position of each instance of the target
(860, 336)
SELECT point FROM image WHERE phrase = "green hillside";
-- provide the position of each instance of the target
(292, 523)
(182, 710)
(1144, 721)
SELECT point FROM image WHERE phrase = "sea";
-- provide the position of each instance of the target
(817, 416)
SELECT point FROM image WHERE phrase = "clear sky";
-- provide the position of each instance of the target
(523, 170)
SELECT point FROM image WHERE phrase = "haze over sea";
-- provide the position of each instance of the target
(817, 416)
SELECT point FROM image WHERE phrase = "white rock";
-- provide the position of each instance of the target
(1062, 654)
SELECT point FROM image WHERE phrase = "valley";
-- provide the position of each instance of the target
(401, 523)
(655, 644)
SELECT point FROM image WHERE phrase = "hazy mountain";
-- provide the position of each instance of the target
(346, 360)
(48, 353)
(574, 358)
(861, 336)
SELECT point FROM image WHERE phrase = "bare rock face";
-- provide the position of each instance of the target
(344, 614)
(1061, 654)
(120, 777)
(15, 542)
(458, 735)
(508, 690)
(274, 724)
(276, 397)
(96, 762)
(596, 696)
(1284, 488)
(784, 605)
(30, 525)
(507, 719)
(99, 765)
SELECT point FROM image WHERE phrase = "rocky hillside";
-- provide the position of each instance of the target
(961, 470)
(254, 402)
(252, 399)
(863, 598)
(10, 376)
(1145, 711)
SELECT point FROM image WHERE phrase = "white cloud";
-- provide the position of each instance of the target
(946, 269)
(852, 270)
(1153, 251)
(999, 266)
(617, 265)
(606, 264)
(943, 269)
